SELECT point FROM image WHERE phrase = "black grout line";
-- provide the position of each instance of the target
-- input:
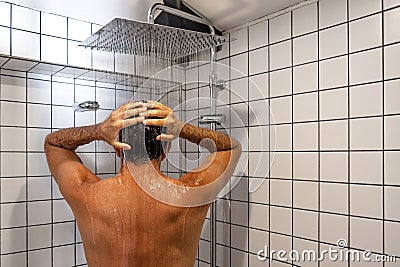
(348, 130)
(292, 129)
(383, 130)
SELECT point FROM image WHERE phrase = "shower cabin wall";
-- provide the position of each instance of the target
(329, 73)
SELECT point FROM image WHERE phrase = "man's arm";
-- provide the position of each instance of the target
(225, 151)
(65, 165)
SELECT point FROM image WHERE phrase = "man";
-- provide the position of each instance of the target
(120, 221)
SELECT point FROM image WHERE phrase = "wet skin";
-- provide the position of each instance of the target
(120, 224)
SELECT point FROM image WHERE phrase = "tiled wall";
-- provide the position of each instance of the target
(37, 226)
(330, 73)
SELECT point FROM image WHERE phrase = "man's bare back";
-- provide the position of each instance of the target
(121, 224)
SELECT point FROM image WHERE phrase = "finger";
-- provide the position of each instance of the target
(155, 105)
(155, 113)
(117, 152)
(121, 146)
(165, 137)
(154, 122)
(133, 121)
(129, 105)
(133, 112)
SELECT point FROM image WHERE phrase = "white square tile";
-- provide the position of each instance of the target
(79, 56)
(63, 233)
(84, 118)
(258, 61)
(17, 110)
(305, 136)
(283, 137)
(359, 8)
(13, 214)
(54, 50)
(305, 165)
(13, 139)
(63, 256)
(241, 258)
(258, 167)
(239, 66)
(305, 19)
(61, 211)
(239, 92)
(333, 104)
(305, 107)
(13, 189)
(39, 91)
(366, 167)
(39, 115)
(240, 41)
(258, 87)
(305, 78)
(37, 164)
(54, 25)
(366, 100)
(366, 234)
(105, 163)
(392, 168)
(5, 11)
(281, 110)
(305, 245)
(333, 227)
(333, 41)
(13, 240)
(5, 37)
(19, 39)
(40, 257)
(25, 19)
(392, 97)
(365, 33)
(36, 139)
(258, 35)
(392, 132)
(281, 165)
(39, 236)
(259, 113)
(279, 242)
(392, 238)
(281, 193)
(62, 117)
(106, 98)
(39, 188)
(237, 211)
(305, 224)
(366, 200)
(360, 140)
(391, 32)
(39, 212)
(239, 115)
(391, 203)
(392, 65)
(239, 239)
(281, 82)
(78, 30)
(80, 255)
(334, 166)
(12, 164)
(390, 3)
(260, 195)
(259, 216)
(62, 93)
(257, 240)
(332, 12)
(305, 49)
(280, 28)
(305, 195)
(366, 67)
(280, 55)
(281, 220)
(13, 88)
(334, 197)
(333, 135)
(223, 256)
(333, 73)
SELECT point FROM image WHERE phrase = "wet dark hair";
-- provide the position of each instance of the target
(142, 139)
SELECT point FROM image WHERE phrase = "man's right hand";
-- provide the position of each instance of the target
(164, 117)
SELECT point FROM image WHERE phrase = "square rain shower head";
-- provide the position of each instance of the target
(151, 40)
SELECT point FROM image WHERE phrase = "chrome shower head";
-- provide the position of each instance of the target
(145, 39)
